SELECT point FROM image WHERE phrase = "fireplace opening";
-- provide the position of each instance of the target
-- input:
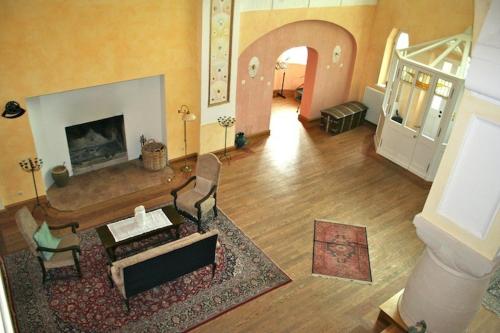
(96, 144)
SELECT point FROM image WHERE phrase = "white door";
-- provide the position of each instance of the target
(427, 141)
(402, 128)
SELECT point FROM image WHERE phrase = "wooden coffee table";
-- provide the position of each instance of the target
(109, 243)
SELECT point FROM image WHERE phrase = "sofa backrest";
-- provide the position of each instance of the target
(169, 261)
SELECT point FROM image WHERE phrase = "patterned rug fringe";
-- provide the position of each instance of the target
(341, 279)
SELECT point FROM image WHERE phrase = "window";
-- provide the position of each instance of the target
(396, 40)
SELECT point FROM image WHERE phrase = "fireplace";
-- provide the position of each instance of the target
(96, 144)
(139, 102)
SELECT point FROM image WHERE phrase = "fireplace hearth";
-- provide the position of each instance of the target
(96, 144)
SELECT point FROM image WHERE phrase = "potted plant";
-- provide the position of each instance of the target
(60, 175)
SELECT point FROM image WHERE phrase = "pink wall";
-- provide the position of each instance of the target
(331, 81)
(294, 77)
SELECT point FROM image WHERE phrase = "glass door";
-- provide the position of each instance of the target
(409, 107)
(432, 129)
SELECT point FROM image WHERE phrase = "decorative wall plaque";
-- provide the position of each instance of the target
(221, 17)
(253, 66)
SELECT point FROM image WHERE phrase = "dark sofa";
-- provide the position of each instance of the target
(146, 270)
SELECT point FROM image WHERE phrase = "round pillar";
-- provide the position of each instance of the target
(445, 298)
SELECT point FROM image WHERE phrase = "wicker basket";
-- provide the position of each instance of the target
(154, 155)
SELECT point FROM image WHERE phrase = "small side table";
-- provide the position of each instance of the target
(389, 318)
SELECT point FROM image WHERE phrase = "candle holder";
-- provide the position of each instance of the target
(32, 165)
(226, 121)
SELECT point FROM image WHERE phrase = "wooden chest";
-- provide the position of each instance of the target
(343, 117)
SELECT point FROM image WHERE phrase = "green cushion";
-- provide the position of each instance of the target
(43, 237)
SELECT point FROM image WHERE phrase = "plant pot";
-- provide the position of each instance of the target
(60, 175)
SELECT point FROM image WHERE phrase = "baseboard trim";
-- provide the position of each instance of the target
(259, 134)
(188, 156)
(220, 151)
(303, 119)
(28, 202)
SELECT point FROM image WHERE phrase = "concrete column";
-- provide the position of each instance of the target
(446, 287)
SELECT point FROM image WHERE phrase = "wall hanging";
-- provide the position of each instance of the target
(221, 17)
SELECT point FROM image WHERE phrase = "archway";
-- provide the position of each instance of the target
(294, 79)
(329, 78)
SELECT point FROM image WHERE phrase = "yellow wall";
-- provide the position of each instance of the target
(370, 26)
(53, 46)
(356, 19)
(212, 137)
(423, 20)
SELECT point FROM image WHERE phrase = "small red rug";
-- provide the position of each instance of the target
(341, 251)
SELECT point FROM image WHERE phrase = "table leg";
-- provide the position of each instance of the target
(111, 253)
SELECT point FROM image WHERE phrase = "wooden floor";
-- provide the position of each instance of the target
(273, 190)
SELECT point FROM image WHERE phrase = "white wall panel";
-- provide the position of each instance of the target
(471, 197)
(249, 5)
(358, 2)
(373, 99)
(287, 4)
(325, 3)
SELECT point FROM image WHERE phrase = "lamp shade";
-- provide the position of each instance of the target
(188, 116)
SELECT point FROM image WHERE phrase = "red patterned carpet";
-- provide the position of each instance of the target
(90, 304)
(341, 250)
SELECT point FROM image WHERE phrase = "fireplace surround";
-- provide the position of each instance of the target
(135, 107)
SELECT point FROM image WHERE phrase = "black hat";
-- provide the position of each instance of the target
(13, 110)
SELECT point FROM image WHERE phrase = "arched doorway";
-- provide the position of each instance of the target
(294, 79)
(329, 78)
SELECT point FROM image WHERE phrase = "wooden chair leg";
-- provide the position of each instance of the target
(110, 280)
(127, 305)
(77, 264)
(199, 220)
(214, 267)
(44, 271)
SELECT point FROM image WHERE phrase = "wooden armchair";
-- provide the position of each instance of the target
(198, 201)
(67, 252)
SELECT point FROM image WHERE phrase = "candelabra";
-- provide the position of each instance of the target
(226, 121)
(32, 165)
(186, 116)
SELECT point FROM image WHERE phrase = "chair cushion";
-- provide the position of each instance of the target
(62, 259)
(43, 237)
(186, 200)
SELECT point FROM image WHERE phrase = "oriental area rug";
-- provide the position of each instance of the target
(341, 251)
(491, 299)
(90, 304)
